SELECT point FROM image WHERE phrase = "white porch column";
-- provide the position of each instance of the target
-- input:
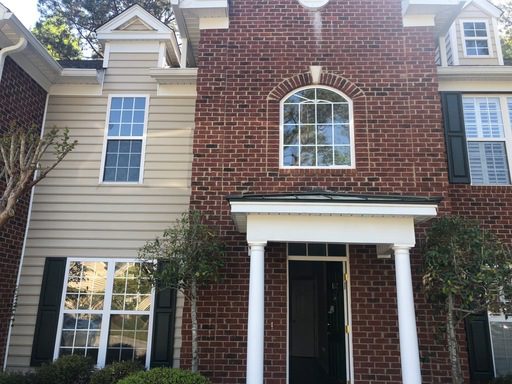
(409, 352)
(256, 325)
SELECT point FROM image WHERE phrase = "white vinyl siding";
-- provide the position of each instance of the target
(487, 124)
(76, 216)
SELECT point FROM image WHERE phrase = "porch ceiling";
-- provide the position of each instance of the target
(331, 217)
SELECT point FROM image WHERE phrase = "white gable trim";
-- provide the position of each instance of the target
(127, 16)
(486, 6)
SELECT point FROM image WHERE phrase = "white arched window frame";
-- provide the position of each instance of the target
(313, 150)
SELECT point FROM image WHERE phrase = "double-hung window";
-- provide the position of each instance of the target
(475, 38)
(317, 129)
(125, 139)
(488, 136)
(501, 341)
(106, 311)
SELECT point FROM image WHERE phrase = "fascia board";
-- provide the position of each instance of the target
(357, 209)
(487, 7)
(126, 16)
(20, 29)
(469, 73)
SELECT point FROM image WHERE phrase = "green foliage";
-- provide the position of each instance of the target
(506, 30)
(165, 376)
(83, 17)
(469, 263)
(188, 253)
(71, 369)
(58, 38)
(17, 378)
(114, 372)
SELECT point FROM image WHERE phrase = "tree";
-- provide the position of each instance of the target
(467, 271)
(21, 165)
(506, 30)
(58, 39)
(188, 256)
(83, 17)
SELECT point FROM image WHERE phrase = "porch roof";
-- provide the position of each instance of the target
(331, 217)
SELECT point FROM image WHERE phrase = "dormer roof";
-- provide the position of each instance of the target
(486, 6)
(137, 23)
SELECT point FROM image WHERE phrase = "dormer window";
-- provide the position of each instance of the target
(476, 38)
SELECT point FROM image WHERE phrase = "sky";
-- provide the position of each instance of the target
(25, 10)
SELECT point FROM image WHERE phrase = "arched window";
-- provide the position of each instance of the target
(317, 129)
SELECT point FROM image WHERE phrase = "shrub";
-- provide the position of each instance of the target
(17, 378)
(72, 369)
(165, 376)
(114, 372)
(503, 380)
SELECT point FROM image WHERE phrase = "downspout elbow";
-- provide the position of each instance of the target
(19, 46)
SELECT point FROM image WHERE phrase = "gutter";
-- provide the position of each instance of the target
(18, 47)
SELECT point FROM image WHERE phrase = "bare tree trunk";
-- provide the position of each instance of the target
(453, 346)
(193, 308)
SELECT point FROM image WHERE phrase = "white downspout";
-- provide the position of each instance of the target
(19, 46)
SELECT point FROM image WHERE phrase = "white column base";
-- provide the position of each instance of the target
(409, 351)
(256, 322)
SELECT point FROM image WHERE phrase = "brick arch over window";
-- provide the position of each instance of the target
(304, 79)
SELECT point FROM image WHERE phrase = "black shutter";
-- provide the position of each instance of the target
(163, 328)
(48, 310)
(455, 135)
(479, 345)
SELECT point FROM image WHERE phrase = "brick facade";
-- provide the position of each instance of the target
(390, 74)
(22, 101)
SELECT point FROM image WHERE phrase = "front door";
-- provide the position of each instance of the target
(317, 319)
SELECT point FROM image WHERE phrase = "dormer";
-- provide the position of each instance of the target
(136, 30)
(473, 37)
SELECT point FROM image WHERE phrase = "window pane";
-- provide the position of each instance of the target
(308, 156)
(315, 249)
(337, 249)
(291, 134)
(115, 116)
(117, 103)
(325, 156)
(291, 114)
(341, 155)
(341, 134)
(314, 121)
(297, 249)
(128, 338)
(324, 113)
(501, 335)
(307, 113)
(123, 160)
(327, 95)
(488, 163)
(482, 117)
(127, 102)
(324, 134)
(341, 114)
(291, 156)
(307, 134)
(140, 103)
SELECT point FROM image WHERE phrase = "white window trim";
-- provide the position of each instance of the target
(105, 319)
(106, 138)
(491, 318)
(351, 130)
(349, 350)
(487, 38)
(507, 133)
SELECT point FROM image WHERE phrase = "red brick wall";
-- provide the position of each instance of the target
(21, 100)
(390, 74)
